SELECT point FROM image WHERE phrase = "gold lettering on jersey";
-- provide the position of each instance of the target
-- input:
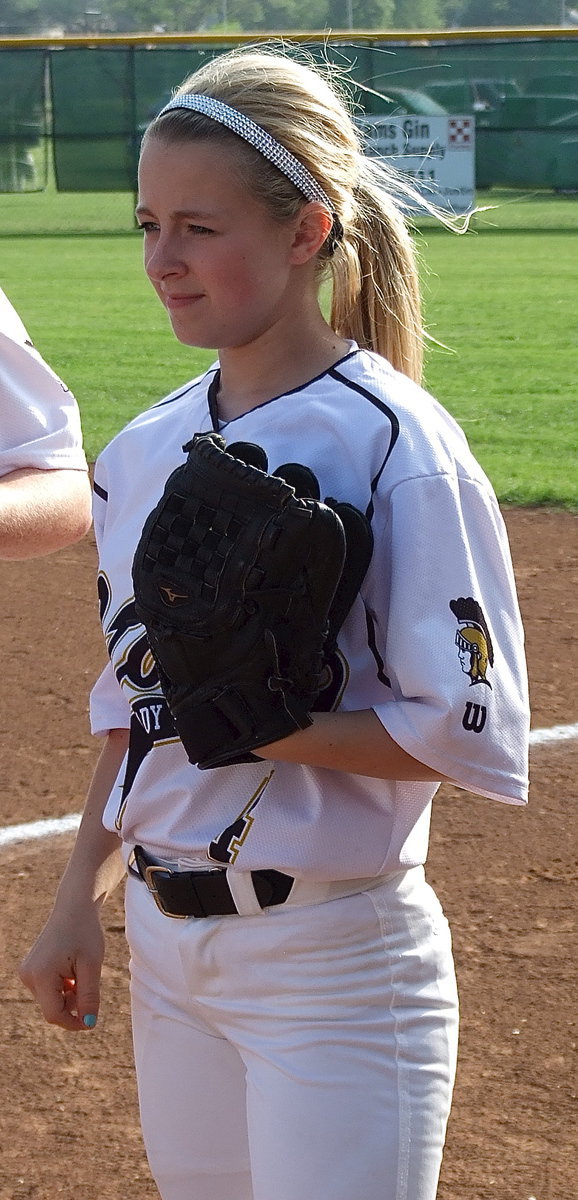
(151, 723)
(225, 847)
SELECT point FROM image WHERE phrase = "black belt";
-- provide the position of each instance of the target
(203, 893)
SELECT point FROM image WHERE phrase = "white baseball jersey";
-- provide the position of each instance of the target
(39, 418)
(433, 643)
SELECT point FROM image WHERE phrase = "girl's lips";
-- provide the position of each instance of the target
(181, 301)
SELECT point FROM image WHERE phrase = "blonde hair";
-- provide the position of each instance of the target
(375, 283)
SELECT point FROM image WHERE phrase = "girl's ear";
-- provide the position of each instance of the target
(313, 226)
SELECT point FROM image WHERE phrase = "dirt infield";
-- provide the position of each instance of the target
(507, 879)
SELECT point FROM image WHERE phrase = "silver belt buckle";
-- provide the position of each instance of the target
(150, 872)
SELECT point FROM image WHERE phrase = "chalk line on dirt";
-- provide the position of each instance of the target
(557, 733)
(39, 829)
(57, 825)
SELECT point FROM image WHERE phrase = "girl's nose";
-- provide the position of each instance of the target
(162, 260)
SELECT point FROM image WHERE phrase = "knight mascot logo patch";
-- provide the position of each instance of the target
(475, 650)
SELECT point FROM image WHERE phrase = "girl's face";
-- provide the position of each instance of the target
(224, 269)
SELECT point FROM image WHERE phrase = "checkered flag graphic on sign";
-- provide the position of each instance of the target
(459, 132)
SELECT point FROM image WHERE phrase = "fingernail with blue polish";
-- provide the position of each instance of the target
(89, 1020)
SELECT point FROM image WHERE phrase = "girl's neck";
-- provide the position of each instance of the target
(250, 376)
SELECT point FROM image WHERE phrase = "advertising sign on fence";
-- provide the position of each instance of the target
(438, 153)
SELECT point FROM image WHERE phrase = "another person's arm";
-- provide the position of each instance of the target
(44, 486)
(64, 966)
(42, 511)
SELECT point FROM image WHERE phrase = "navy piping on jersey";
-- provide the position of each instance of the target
(214, 387)
(186, 388)
(356, 387)
(394, 423)
(100, 491)
(372, 643)
(212, 394)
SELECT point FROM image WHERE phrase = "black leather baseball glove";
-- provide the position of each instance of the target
(240, 583)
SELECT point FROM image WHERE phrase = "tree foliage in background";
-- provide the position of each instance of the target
(510, 12)
(419, 14)
(190, 16)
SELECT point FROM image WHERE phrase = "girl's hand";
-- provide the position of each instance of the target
(63, 968)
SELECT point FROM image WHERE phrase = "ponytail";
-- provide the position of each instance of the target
(376, 289)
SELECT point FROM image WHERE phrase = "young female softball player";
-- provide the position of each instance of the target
(295, 1030)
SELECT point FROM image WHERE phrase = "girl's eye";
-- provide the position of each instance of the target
(199, 229)
(147, 226)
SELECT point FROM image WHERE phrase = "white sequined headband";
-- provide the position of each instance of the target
(267, 145)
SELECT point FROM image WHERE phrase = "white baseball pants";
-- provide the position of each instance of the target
(307, 1053)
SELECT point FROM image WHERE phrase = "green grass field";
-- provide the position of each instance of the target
(502, 300)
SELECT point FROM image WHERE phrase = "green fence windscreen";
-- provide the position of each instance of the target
(159, 71)
(102, 100)
(22, 120)
(479, 68)
(93, 120)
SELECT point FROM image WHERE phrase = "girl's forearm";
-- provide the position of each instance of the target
(353, 742)
(95, 867)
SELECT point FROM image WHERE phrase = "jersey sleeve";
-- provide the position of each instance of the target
(108, 707)
(454, 643)
(99, 501)
(39, 418)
